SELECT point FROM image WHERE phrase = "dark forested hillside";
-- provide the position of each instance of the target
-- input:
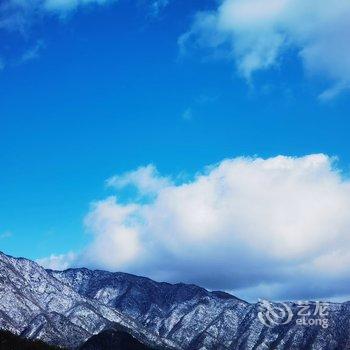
(113, 339)
(9, 341)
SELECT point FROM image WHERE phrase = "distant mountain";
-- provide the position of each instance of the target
(67, 308)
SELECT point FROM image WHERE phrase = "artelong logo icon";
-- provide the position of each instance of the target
(306, 313)
(274, 314)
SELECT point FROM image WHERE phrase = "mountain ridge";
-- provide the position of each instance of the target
(38, 306)
(80, 303)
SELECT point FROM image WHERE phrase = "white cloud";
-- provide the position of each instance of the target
(187, 114)
(146, 179)
(278, 226)
(6, 234)
(24, 7)
(33, 52)
(158, 5)
(57, 262)
(18, 15)
(69, 5)
(256, 34)
(116, 239)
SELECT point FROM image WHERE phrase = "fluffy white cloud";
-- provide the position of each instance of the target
(116, 239)
(147, 180)
(256, 34)
(275, 227)
(57, 262)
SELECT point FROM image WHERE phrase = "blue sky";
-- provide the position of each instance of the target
(104, 89)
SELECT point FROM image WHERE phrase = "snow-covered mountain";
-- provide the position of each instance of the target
(66, 308)
(198, 319)
(36, 305)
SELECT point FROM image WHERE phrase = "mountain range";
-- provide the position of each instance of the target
(100, 310)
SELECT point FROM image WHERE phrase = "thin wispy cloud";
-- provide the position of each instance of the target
(197, 106)
(33, 52)
(6, 234)
(256, 34)
(157, 6)
(187, 114)
(19, 16)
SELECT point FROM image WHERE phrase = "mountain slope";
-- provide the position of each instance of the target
(36, 305)
(198, 319)
(179, 312)
(67, 308)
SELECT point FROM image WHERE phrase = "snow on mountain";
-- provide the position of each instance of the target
(35, 304)
(66, 308)
(198, 319)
